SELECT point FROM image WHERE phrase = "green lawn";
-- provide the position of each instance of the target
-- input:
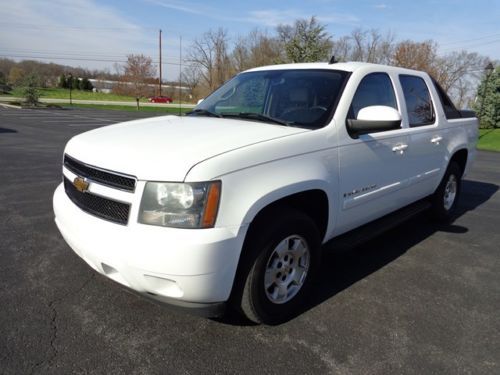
(166, 110)
(56, 93)
(489, 139)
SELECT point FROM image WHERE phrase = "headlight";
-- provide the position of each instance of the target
(181, 205)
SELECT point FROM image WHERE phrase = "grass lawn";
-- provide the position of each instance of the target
(166, 110)
(57, 93)
(489, 139)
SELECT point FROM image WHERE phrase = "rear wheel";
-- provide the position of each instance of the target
(279, 262)
(445, 199)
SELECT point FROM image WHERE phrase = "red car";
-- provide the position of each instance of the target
(160, 99)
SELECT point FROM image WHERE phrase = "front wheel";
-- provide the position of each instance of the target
(445, 198)
(280, 260)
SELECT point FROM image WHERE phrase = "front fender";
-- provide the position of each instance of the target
(246, 192)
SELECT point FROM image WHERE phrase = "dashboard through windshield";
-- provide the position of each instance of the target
(302, 98)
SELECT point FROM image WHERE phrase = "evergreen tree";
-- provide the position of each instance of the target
(30, 89)
(63, 83)
(487, 105)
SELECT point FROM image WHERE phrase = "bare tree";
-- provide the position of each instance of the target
(257, 49)
(457, 72)
(210, 53)
(417, 55)
(365, 45)
(138, 73)
(191, 77)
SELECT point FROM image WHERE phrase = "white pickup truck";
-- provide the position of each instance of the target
(231, 204)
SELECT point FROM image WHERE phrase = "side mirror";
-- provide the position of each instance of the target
(373, 119)
(199, 101)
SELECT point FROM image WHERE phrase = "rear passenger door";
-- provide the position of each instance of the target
(427, 139)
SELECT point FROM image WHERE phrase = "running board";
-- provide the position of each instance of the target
(375, 228)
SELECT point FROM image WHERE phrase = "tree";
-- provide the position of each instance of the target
(365, 45)
(76, 83)
(256, 49)
(137, 72)
(86, 85)
(487, 105)
(416, 55)
(305, 41)
(63, 83)
(16, 76)
(210, 54)
(191, 77)
(30, 89)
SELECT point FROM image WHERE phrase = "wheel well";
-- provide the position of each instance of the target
(314, 203)
(460, 157)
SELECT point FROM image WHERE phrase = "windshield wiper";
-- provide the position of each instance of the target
(258, 117)
(203, 112)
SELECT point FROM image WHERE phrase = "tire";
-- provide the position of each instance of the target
(445, 199)
(279, 260)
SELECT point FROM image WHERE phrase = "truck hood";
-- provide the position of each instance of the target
(165, 148)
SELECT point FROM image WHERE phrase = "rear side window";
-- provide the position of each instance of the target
(374, 89)
(418, 100)
(450, 111)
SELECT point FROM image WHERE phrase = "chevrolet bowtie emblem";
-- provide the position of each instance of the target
(80, 184)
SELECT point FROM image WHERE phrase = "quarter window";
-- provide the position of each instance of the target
(374, 89)
(418, 100)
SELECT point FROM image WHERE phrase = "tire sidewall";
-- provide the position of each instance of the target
(264, 309)
(440, 211)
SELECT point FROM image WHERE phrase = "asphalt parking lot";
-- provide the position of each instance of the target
(419, 299)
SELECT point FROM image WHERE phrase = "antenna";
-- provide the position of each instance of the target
(332, 60)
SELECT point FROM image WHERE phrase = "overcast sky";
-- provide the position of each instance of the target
(95, 34)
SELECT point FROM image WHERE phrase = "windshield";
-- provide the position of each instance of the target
(303, 98)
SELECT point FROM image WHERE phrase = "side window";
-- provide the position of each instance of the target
(450, 111)
(418, 100)
(374, 89)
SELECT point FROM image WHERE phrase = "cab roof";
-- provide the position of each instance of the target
(345, 66)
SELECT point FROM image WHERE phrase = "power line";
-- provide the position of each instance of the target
(75, 54)
(473, 46)
(471, 40)
(87, 59)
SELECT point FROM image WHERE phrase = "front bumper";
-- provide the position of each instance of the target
(185, 267)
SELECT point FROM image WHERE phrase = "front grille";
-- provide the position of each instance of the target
(105, 208)
(98, 175)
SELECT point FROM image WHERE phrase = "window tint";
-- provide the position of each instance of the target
(374, 89)
(450, 111)
(418, 100)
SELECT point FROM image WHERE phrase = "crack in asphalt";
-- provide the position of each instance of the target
(53, 324)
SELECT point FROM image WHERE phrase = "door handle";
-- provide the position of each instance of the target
(436, 140)
(400, 148)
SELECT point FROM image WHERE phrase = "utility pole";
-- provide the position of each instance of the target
(180, 74)
(159, 87)
(70, 81)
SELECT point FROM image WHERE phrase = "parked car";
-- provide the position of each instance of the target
(231, 204)
(160, 99)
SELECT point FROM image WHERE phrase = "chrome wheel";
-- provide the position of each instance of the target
(450, 192)
(286, 269)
